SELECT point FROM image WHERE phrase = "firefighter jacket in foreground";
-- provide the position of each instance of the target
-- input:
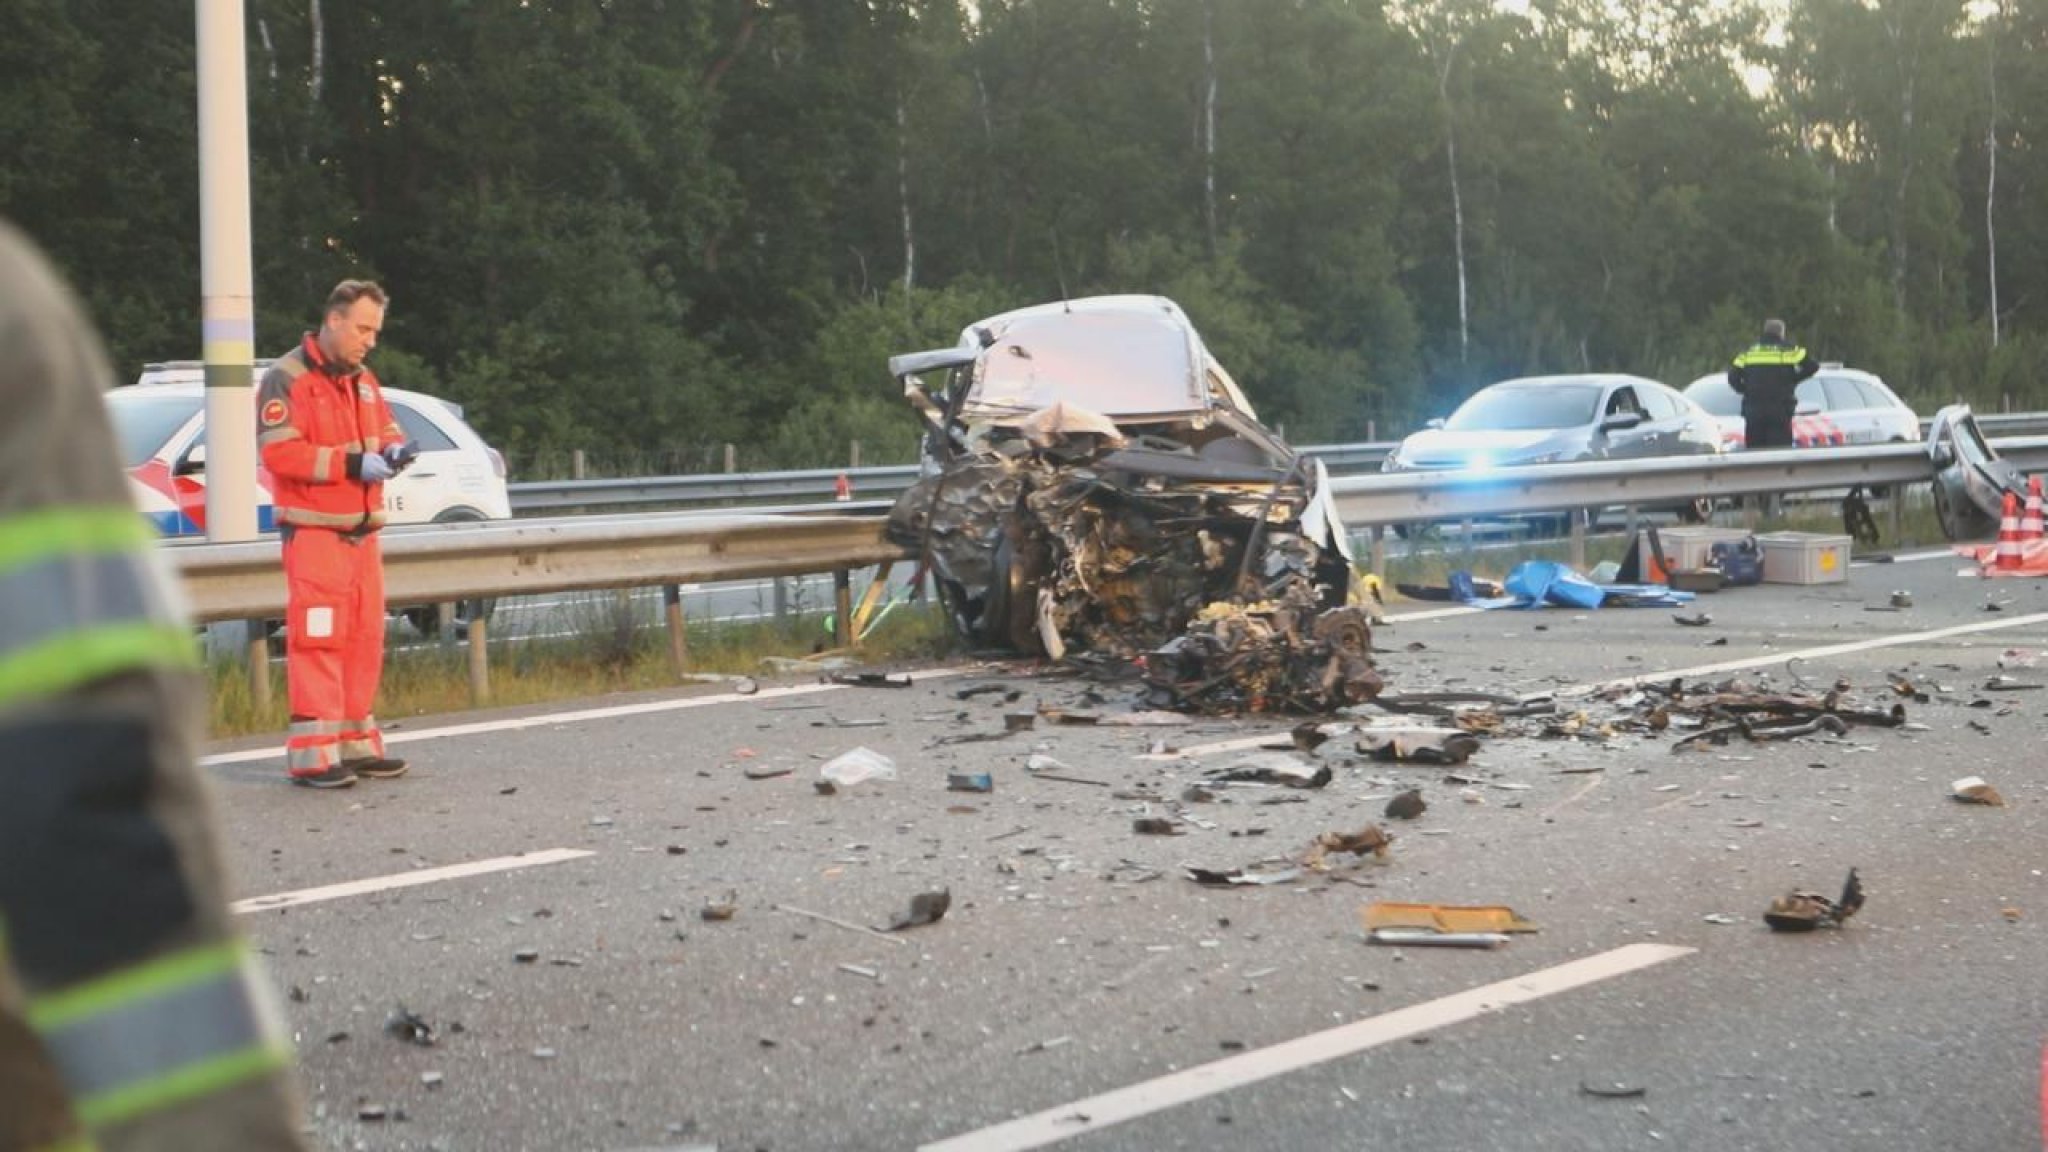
(315, 424)
(131, 1017)
(1767, 378)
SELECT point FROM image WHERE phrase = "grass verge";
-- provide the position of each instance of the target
(592, 661)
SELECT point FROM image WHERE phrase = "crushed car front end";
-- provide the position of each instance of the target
(1095, 482)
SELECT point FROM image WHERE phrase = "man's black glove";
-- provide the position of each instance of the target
(400, 455)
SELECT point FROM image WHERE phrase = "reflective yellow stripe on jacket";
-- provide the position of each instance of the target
(1764, 354)
(156, 1035)
(79, 600)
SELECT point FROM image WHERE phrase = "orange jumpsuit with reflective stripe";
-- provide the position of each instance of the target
(314, 423)
(131, 1018)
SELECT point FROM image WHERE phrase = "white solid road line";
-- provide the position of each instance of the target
(1896, 641)
(552, 719)
(1098, 1112)
(406, 880)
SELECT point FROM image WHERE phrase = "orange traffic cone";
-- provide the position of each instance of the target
(842, 488)
(2030, 523)
(2008, 556)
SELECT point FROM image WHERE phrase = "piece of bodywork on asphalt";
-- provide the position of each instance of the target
(1805, 911)
(1970, 478)
(1094, 479)
(1387, 914)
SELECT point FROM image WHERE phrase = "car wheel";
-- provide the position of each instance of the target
(1010, 619)
(1959, 519)
(426, 618)
(1698, 511)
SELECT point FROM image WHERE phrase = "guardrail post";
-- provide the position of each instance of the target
(444, 621)
(259, 663)
(1578, 535)
(622, 621)
(1898, 516)
(780, 588)
(678, 634)
(732, 463)
(1631, 514)
(842, 604)
(576, 464)
(479, 655)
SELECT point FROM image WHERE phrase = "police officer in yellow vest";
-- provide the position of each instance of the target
(1767, 378)
(132, 1018)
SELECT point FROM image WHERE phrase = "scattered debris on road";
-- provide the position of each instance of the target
(1444, 918)
(857, 767)
(1805, 911)
(410, 1027)
(1371, 840)
(1973, 790)
(849, 925)
(1276, 768)
(1242, 877)
(1408, 805)
(925, 908)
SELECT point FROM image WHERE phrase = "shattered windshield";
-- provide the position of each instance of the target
(1118, 364)
(1525, 408)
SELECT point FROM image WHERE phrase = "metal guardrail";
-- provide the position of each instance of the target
(1409, 496)
(440, 562)
(426, 564)
(445, 562)
(726, 489)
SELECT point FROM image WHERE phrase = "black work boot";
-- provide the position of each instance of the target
(376, 767)
(336, 776)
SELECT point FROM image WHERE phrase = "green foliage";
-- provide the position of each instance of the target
(647, 231)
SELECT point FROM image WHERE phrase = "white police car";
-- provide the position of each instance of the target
(161, 423)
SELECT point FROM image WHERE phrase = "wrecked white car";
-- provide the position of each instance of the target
(1970, 478)
(1094, 481)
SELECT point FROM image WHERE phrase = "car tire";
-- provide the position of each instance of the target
(1010, 618)
(1958, 523)
(426, 618)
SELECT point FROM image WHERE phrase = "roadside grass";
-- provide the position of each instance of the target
(597, 657)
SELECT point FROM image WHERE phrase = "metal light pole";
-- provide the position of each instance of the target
(227, 310)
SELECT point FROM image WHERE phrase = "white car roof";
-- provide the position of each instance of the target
(188, 378)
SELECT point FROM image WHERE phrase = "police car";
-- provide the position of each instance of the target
(161, 423)
(1836, 406)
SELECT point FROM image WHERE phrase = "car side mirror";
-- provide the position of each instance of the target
(194, 461)
(1809, 408)
(1621, 422)
(1943, 455)
(1436, 422)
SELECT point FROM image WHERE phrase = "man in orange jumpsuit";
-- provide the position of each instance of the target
(329, 442)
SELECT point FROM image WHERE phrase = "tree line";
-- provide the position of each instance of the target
(648, 228)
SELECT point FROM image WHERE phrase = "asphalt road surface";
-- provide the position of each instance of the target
(535, 892)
